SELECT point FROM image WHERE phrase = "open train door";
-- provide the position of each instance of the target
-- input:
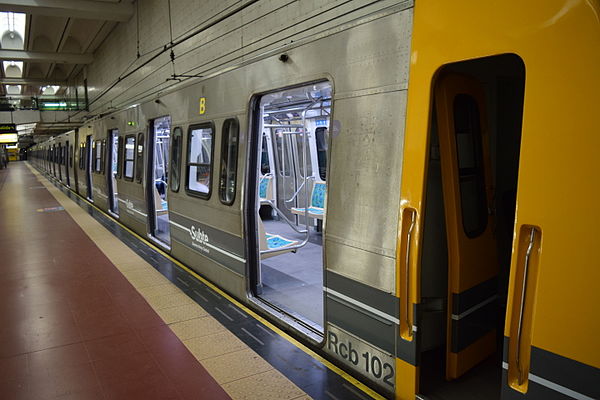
(468, 197)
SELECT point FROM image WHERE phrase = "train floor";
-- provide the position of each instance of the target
(294, 281)
(90, 311)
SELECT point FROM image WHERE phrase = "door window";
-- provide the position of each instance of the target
(129, 157)
(229, 152)
(176, 159)
(139, 158)
(469, 155)
(199, 160)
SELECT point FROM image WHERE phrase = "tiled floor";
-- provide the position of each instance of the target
(71, 324)
(146, 328)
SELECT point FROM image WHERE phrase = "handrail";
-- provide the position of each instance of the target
(409, 326)
(283, 126)
(522, 305)
(298, 191)
(285, 218)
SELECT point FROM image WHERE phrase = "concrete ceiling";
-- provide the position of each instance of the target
(60, 37)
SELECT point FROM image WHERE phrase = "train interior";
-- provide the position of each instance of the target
(503, 79)
(161, 128)
(113, 192)
(290, 215)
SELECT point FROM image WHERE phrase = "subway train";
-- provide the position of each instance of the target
(411, 193)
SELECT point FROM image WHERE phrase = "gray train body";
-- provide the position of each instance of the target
(366, 62)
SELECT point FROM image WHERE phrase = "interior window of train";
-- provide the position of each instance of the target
(265, 165)
(291, 201)
(283, 155)
(176, 149)
(229, 152)
(199, 160)
(139, 159)
(129, 157)
(322, 138)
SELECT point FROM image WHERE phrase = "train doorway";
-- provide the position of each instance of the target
(88, 167)
(469, 222)
(113, 161)
(160, 138)
(287, 211)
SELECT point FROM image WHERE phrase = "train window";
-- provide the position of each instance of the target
(470, 165)
(264, 157)
(119, 157)
(322, 134)
(71, 154)
(300, 152)
(139, 158)
(283, 154)
(103, 156)
(98, 156)
(176, 159)
(82, 156)
(129, 156)
(199, 160)
(229, 152)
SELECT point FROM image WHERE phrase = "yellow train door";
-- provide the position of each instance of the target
(468, 197)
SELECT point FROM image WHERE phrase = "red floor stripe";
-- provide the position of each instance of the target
(71, 326)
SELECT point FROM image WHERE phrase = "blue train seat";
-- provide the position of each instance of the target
(316, 208)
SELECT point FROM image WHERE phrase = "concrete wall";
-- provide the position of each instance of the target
(256, 28)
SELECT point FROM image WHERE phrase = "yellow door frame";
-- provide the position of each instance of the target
(559, 43)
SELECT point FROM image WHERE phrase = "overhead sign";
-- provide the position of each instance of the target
(9, 138)
(8, 128)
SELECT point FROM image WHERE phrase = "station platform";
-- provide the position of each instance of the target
(90, 311)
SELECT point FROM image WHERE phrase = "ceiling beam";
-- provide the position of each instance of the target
(86, 9)
(42, 56)
(31, 82)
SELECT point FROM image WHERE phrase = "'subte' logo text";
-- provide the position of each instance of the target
(198, 235)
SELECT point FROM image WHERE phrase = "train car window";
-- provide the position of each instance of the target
(470, 165)
(228, 169)
(93, 157)
(97, 156)
(119, 157)
(103, 157)
(176, 148)
(129, 159)
(264, 158)
(71, 154)
(322, 134)
(284, 161)
(82, 156)
(199, 160)
(300, 152)
(139, 158)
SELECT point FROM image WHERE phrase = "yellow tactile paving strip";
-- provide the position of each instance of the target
(242, 373)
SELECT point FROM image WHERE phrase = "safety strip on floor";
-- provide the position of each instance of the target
(308, 371)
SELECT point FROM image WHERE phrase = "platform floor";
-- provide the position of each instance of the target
(89, 311)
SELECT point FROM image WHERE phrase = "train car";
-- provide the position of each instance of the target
(387, 190)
